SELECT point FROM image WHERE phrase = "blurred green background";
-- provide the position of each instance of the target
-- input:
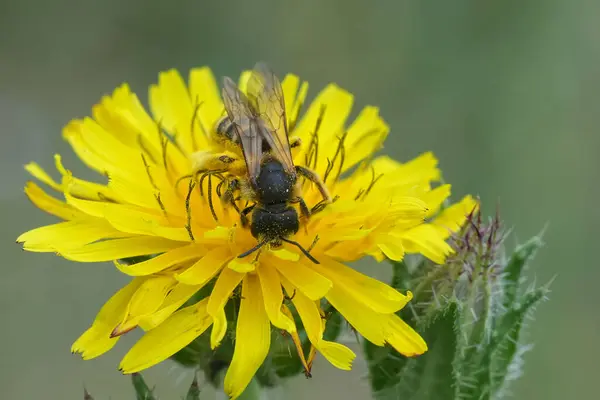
(505, 92)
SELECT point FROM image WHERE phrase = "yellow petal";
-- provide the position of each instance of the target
(253, 338)
(309, 282)
(403, 338)
(205, 95)
(130, 219)
(114, 249)
(97, 340)
(374, 294)
(336, 104)
(159, 263)
(175, 299)
(145, 301)
(170, 103)
(273, 297)
(392, 248)
(338, 355)
(38, 172)
(179, 330)
(51, 205)
(368, 323)
(102, 151)
(227, 281)
(219, 328)
(435, 198)
(453, 217)
(205, 268)
(241, 266)
(427, 240)
(68, 235)
(365, 136)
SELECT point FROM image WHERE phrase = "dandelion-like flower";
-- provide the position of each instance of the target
(154, 205)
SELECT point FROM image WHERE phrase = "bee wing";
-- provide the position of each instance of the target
(245, 123)
(266, 98)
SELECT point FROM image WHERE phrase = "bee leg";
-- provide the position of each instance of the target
(322, 204)
(228, 196)
(244, 215)
(210, 202)
(314, 178)
(303, 207)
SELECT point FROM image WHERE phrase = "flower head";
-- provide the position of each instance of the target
(153, 204)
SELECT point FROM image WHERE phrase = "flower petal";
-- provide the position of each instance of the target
(50, 204)
(38, 172)
(253, 338)
(427, 240)
(453, 217)
(175, 299)
(336, 104)
(97, 340)
(163, 261)
(205, 95)
(170, 103)
(69, 234)
(370, 324)
(179, 330)
(227, 281)
(145, 301)
(372, 293)
(392, 249)
(115, 249)
(435, 198)
(365, 136)
(308, 281)
(403, 338)
(205, 268)
(130, 219)
(273, 297)
(337, 354)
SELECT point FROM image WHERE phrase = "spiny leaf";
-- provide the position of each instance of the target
(508, 335)
(142, 390)
(511, 275)
(430, 376)
(194, 390)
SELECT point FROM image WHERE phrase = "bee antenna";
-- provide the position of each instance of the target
(252, 250)
(302, 249)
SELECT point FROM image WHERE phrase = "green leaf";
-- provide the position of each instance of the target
(427, 377)
(285, 359)
(194, 390)
(400, 276)
(507, 339)
(142, 390)
(511, 276)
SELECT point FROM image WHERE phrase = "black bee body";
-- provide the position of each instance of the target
(272, 217)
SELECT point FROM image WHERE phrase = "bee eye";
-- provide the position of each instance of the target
(226, 159)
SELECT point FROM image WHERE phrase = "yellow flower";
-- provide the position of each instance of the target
(147, 208)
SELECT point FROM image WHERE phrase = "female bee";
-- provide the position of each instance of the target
(271, 179)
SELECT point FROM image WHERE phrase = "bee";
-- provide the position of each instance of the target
(258, 121)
